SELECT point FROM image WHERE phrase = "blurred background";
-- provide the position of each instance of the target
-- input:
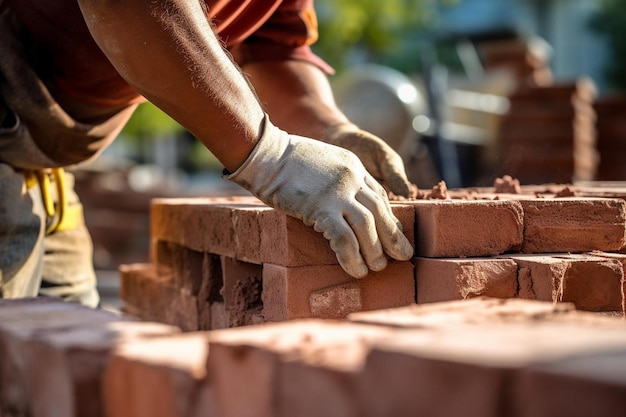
(464, 90)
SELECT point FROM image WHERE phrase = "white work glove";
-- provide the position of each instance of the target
(380, 160)
(329, 188)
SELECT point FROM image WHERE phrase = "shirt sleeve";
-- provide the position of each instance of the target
(287, 35)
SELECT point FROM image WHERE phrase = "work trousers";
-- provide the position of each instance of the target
(35, 264)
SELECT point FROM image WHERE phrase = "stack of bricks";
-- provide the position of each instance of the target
(611, 127)
(549, 134)
(482, 357)
(229, 262)
(225, 262)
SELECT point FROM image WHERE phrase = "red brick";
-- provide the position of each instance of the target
(299, 368)
(573, 225)
(458, 279)
(461, 228)
(245, 229)
(243, 284)
(219, 316)
(483, 348)
(474, 311)
(589, 384)
(287, 290)
(54, 355)
(182, 264)
(539, 276)
(161, 376)
(156, 298)
(336, 302)
(287, 241)
(201, 224)
(248, 231)
(591, 283)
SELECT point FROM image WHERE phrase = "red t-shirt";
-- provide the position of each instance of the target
(67, 58)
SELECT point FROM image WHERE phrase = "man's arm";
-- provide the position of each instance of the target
(168, 52)
(298, 97)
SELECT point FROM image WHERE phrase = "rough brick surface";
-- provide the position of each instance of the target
(243, 284)
(457, 279)
(155, 297)
(187, 222)
(162, 376)
(592, 384)
(244, 228)
(404, 365)
(257, 363)
(590, 282)
(288, 292)
(460, 228)
(54, 355)
(573, 225)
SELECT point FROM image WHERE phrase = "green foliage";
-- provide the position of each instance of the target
(384, 31)
(610, 21)
(149, 121)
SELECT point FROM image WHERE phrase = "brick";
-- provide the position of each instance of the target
(400, 362)
(245, 229)
(156, 298)
(589, 384)
(54, 356)
(591, 283)
(463, 228)
(474, 311)
(483, 345)
(161, 376)
(287, 241)
(539, 276)
(287, 290)
(201, 224)
(243, 284)
(337, 301)
(269, 365)
(457, 279)
(210, 289)
(183, 264)
(219, 317)
(573, 225)
(248, 231)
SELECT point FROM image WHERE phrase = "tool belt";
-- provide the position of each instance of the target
(60, 215)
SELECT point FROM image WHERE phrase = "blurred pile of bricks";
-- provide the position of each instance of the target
(611, 128)
(228, 262)
(549, 134)
(481, 357)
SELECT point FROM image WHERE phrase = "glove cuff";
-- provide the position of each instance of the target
(263, 159)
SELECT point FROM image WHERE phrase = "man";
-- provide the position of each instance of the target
(73, 71)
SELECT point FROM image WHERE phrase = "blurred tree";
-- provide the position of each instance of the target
(149, 121)
(610, 21)
(384, 32)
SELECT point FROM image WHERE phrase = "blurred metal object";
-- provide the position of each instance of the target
(382, 101)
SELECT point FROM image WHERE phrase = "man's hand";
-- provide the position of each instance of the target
(380, 160)
(329, 188)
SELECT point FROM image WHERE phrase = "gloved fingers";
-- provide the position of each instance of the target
(343, 242)
(364, 227)
(394, 175)
(388, 227)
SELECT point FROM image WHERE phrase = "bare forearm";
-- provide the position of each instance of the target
(296, 95)
(167, 50)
